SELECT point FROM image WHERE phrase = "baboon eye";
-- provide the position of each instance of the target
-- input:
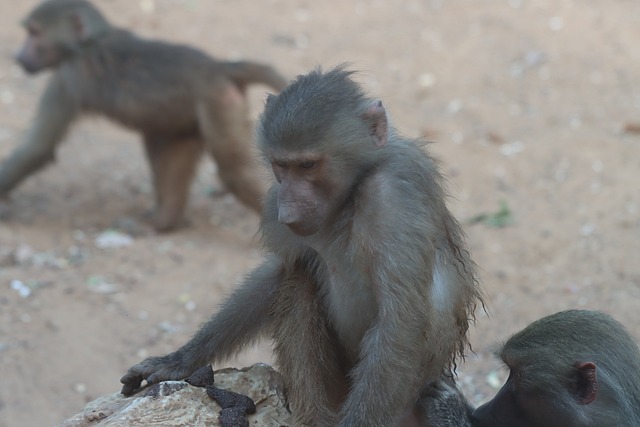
(308, 165)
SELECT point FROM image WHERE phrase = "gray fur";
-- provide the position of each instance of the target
(547, 351)
(374, 306)
(180, 99)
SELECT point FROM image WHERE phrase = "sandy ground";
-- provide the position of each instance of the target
(531, 105)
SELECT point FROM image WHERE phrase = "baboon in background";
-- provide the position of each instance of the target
(177, 97)
(369, 289)
(575, 368)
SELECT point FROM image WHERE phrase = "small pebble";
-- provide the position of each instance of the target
(23, 290)
(111, 239)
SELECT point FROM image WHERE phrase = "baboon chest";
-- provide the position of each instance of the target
(350, 301)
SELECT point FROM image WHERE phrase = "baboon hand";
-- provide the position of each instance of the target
(154, 370)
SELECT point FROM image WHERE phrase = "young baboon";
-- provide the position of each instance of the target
(369, 289)
(575, 368)
(179, 99)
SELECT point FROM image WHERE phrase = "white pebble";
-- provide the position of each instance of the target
(148, 6)
(113, 239)
(23, 290)
(6, 97)
(426, 80)
(511, 149)
(454, 106)
(597, 166)
(587, 230)
(556, 23)
(302, 15)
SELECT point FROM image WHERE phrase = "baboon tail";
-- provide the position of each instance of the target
(244, 73)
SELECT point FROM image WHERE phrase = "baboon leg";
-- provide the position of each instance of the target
(307, 353)
(173, 164)
(224, 122)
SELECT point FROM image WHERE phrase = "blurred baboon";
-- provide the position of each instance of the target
(179, 99)
(369, 289)
(575, 368)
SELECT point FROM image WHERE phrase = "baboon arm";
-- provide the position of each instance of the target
(390, 368)
(55, 113)
(243, 316)
(394, 356)
(241, 319)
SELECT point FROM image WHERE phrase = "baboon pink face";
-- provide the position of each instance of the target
(302, 185)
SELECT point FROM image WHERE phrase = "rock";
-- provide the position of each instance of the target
(176, 403)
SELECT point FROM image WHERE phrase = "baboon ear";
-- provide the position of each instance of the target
(585, 387)
(376, 116)
(79, 27)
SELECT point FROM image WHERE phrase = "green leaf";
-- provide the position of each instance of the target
(502, 218)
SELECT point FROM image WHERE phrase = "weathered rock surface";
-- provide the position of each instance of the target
(176, 403)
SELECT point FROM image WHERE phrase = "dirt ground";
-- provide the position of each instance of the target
(533, 107)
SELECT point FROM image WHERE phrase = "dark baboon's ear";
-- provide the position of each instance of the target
(585, 386)
(377, 118)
